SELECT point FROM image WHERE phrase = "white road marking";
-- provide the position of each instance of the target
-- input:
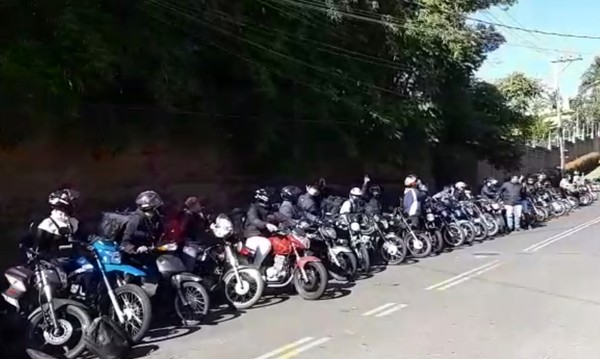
(297, 351)
(378, 309)
(464, 279)
(565, 236)
(459, 276)
(285, 348)
(541, 244)
(390, 311)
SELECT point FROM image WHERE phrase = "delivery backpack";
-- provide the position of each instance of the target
(106, 340)
(112, 224)
(332, 204)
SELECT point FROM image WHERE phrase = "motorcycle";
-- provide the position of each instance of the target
(128, 304)
(219, 267)
(169, 280)
(352, 223)
(289, 263)
(56, 326)
(339, 259)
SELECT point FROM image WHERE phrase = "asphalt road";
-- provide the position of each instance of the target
(530, 295)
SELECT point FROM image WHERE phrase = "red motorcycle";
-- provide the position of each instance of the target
(287, 262)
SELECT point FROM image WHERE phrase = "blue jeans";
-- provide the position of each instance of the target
(516, 211)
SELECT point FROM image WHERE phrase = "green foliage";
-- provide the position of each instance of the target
(283, 83)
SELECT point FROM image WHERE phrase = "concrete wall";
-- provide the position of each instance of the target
(536, 158)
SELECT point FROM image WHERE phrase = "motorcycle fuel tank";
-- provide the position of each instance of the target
(169, 264)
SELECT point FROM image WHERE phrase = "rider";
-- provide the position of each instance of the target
(258, 225)
(566, 183)
(412, 198)
(193, 222)
(489, 189)
(354, 202)
(60, 226)
(307, 202)
(373, 205)
(144, 229)
(459, 191)
(289, 208)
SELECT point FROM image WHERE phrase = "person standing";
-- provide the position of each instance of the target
(511, 193)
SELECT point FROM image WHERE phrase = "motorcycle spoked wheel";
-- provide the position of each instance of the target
(393, 250)
(437, 241)
(541, 215)
(137, 309)
(469, 231)
(492, 225)
(244, 293)
(315, 286)
(453, 235)
(69, 343)
(481, 230)
(198, 303)
(419, 247)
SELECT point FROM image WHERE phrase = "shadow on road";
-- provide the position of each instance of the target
(267, 301)
(336, 290)
(161, 334)
(142, 351)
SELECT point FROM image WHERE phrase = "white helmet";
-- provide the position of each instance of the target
(460, 185)
(222, 227)
(410, 181)
(356, 193)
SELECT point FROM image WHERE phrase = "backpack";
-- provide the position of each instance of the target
(112, 224)
(332, 204)
(106, 340)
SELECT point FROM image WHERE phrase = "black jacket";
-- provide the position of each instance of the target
(257, 218)
(489, 192)
(529, 190)
(373, 206)
(308, 204)
(195, 227)
(511, 193)
(141, 230)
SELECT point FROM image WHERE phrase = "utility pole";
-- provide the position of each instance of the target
(559, 65)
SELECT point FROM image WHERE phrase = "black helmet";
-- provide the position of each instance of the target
(148, 201)
(63, 199)
(290, 193)
(375, 191)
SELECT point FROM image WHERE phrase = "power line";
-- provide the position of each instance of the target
(535, 31)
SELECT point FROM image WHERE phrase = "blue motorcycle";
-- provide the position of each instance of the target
(102, 287)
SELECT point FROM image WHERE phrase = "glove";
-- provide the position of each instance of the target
(272, 227)
(142, 249)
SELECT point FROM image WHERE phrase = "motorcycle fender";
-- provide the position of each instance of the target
(58, 303)
(341, 249)
(177, 279)
(124, 268)
(302, 261)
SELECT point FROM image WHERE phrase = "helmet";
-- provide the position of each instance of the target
(148, 201)
(410, 181)
(290, 193)
(460, 185)
(313, 190)
(375, 191)
(63, 199)
(356, 193)
(193, 204)
(491, 181)
(263, 195)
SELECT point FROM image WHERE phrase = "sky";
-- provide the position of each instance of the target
(517, 54)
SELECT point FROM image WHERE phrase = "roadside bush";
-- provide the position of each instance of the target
(585, 163)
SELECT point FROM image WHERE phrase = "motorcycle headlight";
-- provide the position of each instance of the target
(430, 217)
(354, 227)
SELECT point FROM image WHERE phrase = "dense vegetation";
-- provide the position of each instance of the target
(276, 81)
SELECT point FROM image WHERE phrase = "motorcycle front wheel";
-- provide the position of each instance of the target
(315, 286)
(137, 309)
(347, 269)
(418, 245)
(246, 292)
(453, 235)
(393, 250)
(67, 342)
(197, 306)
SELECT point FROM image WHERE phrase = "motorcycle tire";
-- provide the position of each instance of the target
(469, 231)
(144, 305)
(399, 254)
(541, 215)
(425, 241)
(437, 241)
(192, 317)
(346, 273)
(453, 234)
(481, 230)
(74, 311)
(585, 199)
(316, 290)
(251, 279)
(558, 208)
(492, 225)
